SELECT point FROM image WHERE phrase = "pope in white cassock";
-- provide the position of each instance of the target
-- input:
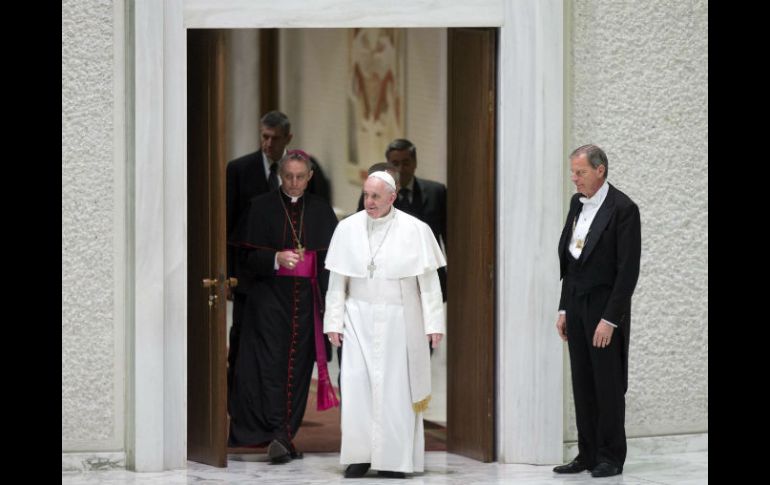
(384, 300)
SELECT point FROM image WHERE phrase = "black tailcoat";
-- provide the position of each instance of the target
(599, 285)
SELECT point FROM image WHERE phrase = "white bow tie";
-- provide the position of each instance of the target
(588, 202)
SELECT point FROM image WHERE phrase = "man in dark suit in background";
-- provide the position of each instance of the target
(599, 253)
(247, 177)
(422, 198)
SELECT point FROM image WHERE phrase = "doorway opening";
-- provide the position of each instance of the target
(447, 110)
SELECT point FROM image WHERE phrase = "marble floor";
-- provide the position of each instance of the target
(440, 468)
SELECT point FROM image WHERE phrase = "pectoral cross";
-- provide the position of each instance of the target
(371, 267)
(301, 251)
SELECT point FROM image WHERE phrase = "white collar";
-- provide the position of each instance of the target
(293, 199)
(382, 220)
(597, 199)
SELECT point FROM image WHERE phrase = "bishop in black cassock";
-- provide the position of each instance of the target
(279, 339)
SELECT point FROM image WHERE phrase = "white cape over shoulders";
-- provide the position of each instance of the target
(410, 248)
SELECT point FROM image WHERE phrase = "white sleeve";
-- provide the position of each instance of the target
(609, 323)
(432, 302)
(335, 303)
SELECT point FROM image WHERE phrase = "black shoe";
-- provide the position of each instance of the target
(278, 452)
(605, 469)
(572, 467)
(357, 470)
(388, 474)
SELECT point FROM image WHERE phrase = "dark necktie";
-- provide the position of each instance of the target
(272, 179)
(403, 197)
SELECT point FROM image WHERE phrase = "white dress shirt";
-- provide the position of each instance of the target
(585, 218)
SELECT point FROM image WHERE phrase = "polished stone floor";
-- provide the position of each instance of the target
(441, 468)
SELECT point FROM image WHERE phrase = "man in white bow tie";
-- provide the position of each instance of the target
(599, 252)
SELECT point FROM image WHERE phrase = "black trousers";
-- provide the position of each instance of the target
(239, 303)
(597, 382)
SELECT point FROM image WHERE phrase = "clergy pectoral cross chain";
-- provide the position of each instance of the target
(371, 266)
(298, 247)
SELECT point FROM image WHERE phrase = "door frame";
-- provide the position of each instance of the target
(530, 170)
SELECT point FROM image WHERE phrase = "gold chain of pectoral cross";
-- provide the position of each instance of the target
(371, 266)
(297, 244)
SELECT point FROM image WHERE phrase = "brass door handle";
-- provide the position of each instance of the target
(208, 283)
(231, 282)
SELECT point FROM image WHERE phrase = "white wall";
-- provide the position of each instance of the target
(640, 90)
(93, 212)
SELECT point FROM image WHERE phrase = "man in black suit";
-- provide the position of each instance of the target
(247, 177)
(599, 252)
(422, 198)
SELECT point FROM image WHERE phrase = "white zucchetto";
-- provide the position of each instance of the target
(386, 177)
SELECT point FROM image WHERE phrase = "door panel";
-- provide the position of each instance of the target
(471, 243)
(206, 305)
(268, 69)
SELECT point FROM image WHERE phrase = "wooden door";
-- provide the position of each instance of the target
(269, 59)
(206, 265)
(471, 243)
